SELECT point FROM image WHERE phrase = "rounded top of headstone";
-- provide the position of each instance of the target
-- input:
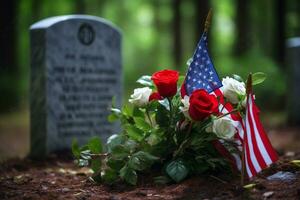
(293, 42)
(48, 22)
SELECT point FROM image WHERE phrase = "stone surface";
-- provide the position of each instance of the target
(76, 69)
(282, 176)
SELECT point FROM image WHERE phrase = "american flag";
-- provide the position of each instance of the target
(259, 152)
(202, 75)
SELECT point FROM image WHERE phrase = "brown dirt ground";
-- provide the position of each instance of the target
(59, 178)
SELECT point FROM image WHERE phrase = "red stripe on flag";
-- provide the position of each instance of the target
(247, 156)
(256, 151)
(273, 155)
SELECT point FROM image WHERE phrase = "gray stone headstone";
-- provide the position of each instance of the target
(76, 69)
(293, 61)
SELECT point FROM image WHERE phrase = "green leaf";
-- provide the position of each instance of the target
(141, 160)
(131, 145)
(142, 124)
(146, 81)
(134, 132)
(116, 111)
(112, 117)
(127, 110)
(109, 176)
(115, 164)
(129, 175)
(155, 137)
(114, 140)
(86, 154)
(75, 148)
(120, 152)
(137, 112)
(96, 165)
(95, 145)
(238, 78)
(258, 78)
(165, 103)
(177, 170)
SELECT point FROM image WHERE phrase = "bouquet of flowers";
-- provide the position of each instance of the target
(179, 126)
(165, 131)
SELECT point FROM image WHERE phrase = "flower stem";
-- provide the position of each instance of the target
(171, 110)
(148, 116)
(184, 143)
(233, 111)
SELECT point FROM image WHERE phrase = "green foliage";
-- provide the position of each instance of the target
(129, 175)
(95, 145)
(177, 170)
(145, 81)
(141, 160)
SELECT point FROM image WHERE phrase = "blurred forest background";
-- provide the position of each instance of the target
(245, 36)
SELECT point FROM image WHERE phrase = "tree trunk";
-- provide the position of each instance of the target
(280, 31)
(177, 33)
(8, 65)
(242, 19)
(201, 9)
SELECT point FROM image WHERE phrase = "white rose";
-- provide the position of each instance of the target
(232, 89)
(140, 96)
(224, 128)
(186, 105)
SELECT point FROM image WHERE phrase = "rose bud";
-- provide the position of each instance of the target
(166, 82)
(155, 96)
(202, 105)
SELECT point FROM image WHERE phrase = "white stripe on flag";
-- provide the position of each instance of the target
(260, 144)
(250, 145)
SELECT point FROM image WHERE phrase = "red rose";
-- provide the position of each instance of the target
(166, 82)
(155, 96)
(202, 105)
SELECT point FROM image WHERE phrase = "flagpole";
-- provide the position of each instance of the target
(248, 91)
(207, 21)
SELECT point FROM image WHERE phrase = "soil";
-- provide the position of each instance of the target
(57, 177)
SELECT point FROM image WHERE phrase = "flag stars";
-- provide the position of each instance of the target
(211, 73)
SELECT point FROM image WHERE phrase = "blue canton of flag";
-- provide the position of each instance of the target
(201, 73)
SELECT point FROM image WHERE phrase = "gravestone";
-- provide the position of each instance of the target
(75, 72)
(293, 61)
